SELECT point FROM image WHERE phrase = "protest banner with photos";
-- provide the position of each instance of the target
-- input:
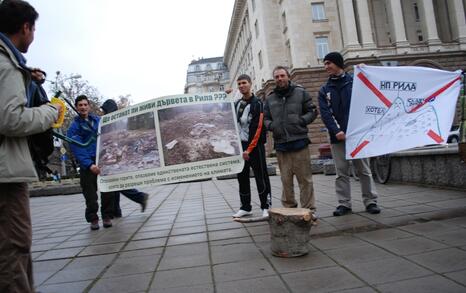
(167, 140)
(398, 108)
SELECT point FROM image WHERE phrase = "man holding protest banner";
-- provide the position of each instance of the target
(84, 128)
(135, 195)
(250, 119)
(288, 110)
(334, 104)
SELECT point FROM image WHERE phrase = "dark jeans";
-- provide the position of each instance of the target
(133, 194)
(259, 167)
(89, 185)
(15, 239)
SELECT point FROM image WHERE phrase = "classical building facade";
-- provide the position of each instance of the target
(206, 75)
(299, 33)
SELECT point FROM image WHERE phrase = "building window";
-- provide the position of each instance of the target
(253, 4)
(256, 28)
(420, 38)
(219, 65)
(198, 68)
(318, 11)
(261, 63)
(416, 12)
(321, 47)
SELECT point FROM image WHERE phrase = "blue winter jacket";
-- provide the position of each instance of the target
(81, 131)
(334, 104)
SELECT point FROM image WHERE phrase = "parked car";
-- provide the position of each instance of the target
(454, 135)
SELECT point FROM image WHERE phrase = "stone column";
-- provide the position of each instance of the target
(348, 24)
(458, 22)
(398, 23)
(367, 38)
(430, 24)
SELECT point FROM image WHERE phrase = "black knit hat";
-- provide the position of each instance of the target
(336, 59)
(109, 106)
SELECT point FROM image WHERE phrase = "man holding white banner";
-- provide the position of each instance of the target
(334, 104)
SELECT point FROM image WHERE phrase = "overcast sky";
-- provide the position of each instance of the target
(139, 47)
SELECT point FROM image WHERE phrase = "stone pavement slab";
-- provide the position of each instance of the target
(186, 241)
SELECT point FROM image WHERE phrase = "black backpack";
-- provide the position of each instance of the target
(40, 144)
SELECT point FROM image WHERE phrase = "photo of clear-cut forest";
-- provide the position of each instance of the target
(198, 132)
(128, 145)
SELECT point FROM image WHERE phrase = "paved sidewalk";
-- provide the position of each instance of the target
(186, 241)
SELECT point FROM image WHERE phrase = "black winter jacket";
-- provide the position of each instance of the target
(334, 104)
(287, 115)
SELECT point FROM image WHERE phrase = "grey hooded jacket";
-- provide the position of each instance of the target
(17, 121)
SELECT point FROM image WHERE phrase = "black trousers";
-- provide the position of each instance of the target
(259, 167)
(88, 182)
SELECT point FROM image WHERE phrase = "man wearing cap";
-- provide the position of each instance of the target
(334, 104)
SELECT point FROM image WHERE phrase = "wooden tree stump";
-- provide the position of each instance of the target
(289, 231)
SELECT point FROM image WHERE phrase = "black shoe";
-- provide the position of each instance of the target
(373, 209)
(341, 210)
(117, 212)
(107, 223)
(144, 202)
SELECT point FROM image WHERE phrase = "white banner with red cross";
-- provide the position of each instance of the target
(398, 108)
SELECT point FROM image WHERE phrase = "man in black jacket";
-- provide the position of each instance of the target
(250, 117)
(288, 111)
(135, 195)
(334, 104)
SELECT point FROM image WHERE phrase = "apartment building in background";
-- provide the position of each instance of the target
(206, 75)
(299, 33)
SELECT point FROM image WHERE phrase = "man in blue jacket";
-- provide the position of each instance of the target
(334, 104)
(83, 129)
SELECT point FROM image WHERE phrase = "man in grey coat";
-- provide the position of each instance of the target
(288, 110)
(17, 26)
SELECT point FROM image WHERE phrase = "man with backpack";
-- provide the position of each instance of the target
(17, 122)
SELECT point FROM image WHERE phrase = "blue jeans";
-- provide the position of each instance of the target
(133, 194)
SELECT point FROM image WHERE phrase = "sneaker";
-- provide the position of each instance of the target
(265, 213)
(242, 213)
(314, 216)
(107, 223)
(341, 210)
(373, 209)
(144, 202)
(95, 225)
